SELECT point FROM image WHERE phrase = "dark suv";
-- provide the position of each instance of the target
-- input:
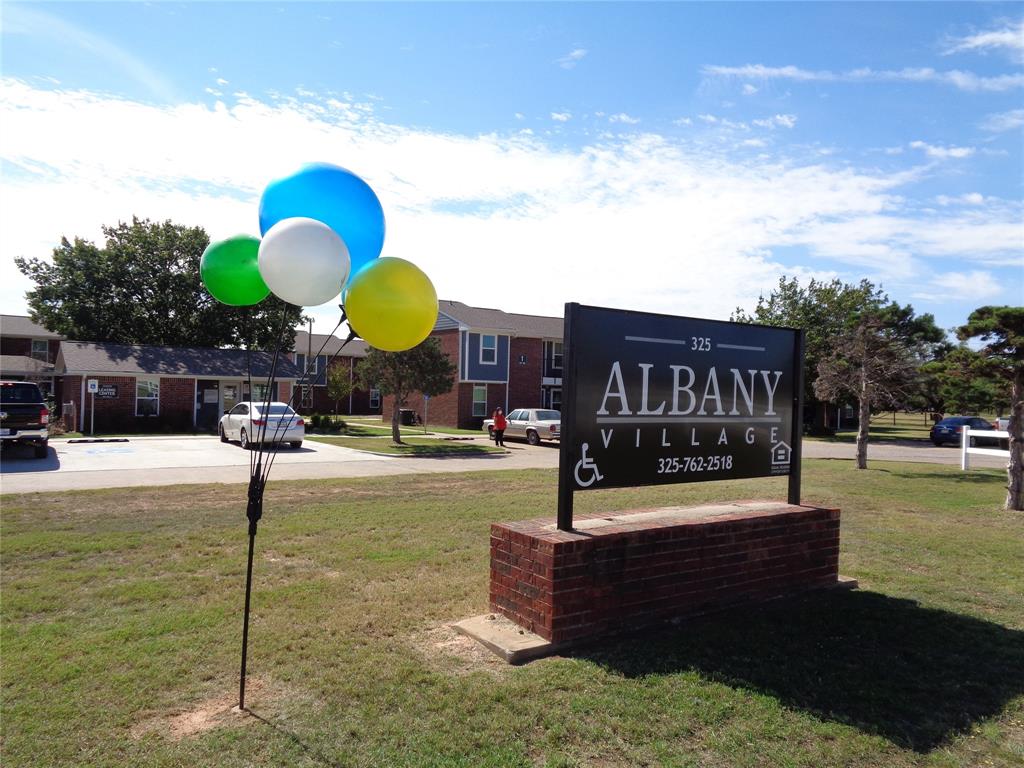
(24, 417)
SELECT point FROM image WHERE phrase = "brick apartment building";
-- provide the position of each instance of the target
(141, 388)
(503, 359)
(150, 389)
(28, 351)
(323, 349)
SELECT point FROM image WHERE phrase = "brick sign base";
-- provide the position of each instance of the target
(619, 572)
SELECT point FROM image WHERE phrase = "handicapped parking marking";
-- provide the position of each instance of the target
(109, 450)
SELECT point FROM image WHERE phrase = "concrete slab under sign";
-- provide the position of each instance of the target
(506, 638)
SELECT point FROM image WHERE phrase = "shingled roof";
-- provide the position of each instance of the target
(22, 325)
(22, 365)
(529, 326)
(330, 344)
(82, 357)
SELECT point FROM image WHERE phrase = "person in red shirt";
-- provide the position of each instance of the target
(500, 423)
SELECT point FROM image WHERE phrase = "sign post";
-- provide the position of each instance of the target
(653, 399)
(93, 387)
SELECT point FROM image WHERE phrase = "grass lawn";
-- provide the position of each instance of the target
(121, 625)
(411, 446)
(376, 422)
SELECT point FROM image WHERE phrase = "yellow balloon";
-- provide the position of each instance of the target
(391, 304)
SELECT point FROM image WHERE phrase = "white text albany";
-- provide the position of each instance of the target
(731, 402)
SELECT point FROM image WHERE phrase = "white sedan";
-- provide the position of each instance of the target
(250, 423)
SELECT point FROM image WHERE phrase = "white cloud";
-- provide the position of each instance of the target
(970, 198)
(973, 286)
(1009, 38)
(786, 121)
(966, 81)
(749, 90)
(682, 121)
(724, 122)
(622, 117)
(520, 116)
(942, 153)
(754, 143)
(1003, 121)
(688, 215)
(561, 117)
(221, 81)
(572, 58)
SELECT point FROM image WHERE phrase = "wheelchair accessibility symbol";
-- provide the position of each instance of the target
(587, 464)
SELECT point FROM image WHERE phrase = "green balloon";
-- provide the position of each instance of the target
(230, 271)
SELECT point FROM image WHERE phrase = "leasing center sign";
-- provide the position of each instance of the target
(661, 399)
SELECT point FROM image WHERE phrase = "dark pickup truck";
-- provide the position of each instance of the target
(24, 417)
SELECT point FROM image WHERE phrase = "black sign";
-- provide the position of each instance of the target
(659, 399)
(107, 392)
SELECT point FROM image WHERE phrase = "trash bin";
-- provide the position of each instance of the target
(408, 417)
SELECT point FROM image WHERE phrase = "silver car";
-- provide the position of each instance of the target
(534, 424)
(249, 423)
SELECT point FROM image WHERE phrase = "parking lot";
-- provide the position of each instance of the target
(179, 460)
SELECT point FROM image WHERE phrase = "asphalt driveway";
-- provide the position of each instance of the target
(182, 460)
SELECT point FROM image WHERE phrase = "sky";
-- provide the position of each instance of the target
(668, 157)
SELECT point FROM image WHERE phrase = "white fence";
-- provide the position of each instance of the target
(965, 445)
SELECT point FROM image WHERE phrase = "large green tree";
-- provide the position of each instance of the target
(834, 310)
(143, 287)
(424, 368)
(1001, 330)
(961, 381)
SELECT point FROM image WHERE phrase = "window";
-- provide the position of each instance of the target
(321, 368)
(480, 399)
(259, 393)
(375, 398)
(300, 362)
(41, 350)
(556, 355)
(147, 397)
(488, 348)
(240, 410)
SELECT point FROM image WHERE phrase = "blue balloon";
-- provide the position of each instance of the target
(335, 196)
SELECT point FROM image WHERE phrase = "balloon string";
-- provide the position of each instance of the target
(352, 335)
(308, 369)
(261, 432)
(247, 330)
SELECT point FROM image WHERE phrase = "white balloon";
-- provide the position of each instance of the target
(303, 261)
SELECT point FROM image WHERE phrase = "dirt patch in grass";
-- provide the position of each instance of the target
(454, 653)
(216, 712)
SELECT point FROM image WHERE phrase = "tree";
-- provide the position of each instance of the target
(424, 368)
(1002, 331)
(143, 287)
(339, 383)
(868, 364)
(824, 310)
(962, 381)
